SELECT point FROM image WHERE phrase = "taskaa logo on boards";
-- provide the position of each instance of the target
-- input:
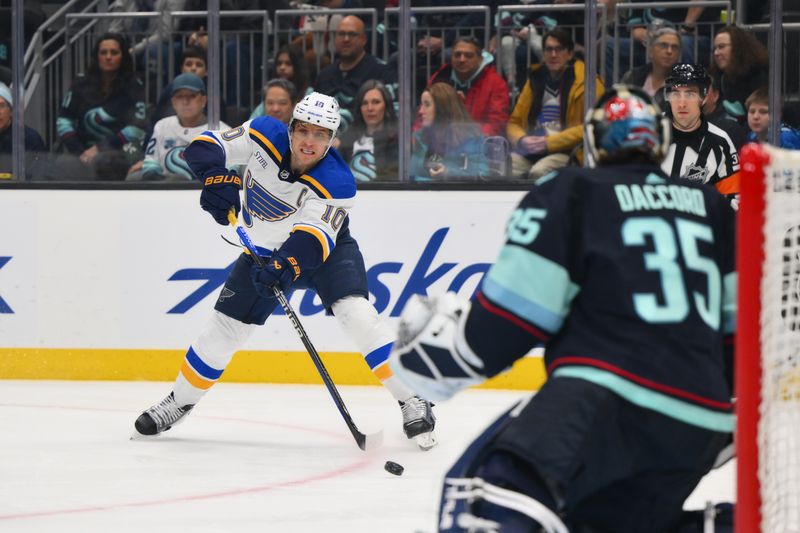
(423, 276)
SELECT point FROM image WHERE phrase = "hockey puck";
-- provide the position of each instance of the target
(393, 468)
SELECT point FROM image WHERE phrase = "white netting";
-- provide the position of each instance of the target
(779, 425)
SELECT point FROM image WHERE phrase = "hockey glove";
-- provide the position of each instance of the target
(278, 272)
(220, 193)
(431, 356)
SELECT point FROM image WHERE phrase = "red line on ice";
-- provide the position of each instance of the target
(361, 463)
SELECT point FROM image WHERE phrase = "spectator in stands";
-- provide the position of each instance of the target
(483, 91)
(194, 61)
(156, 42)
(153, 36)
(370, 145)
(438, 30)
(289, 64)
(644, 21)
(663, 50)
(34, 145)
(521, 47)
(742, 64)
(242, 40)
(102, 116)
(280, 96)
(450, 145)
(757, 105)
(546, 124)
(164, 154)
(352, 67)
(715, 113)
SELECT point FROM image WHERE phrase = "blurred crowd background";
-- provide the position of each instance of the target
(114, 90)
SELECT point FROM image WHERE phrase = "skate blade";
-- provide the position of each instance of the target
(426, 441)
(138, 436)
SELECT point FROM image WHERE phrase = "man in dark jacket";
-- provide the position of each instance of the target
(353, 66)
(484, 91)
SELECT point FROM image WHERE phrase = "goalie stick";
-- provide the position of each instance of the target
(364, 441)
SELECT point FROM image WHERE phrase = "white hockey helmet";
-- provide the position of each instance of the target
(318, 109)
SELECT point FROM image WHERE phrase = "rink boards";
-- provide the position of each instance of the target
(116, 284)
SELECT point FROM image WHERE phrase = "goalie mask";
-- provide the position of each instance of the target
(626, 123)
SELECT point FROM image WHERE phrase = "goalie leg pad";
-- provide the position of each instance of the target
(497, 504)
(495, 491)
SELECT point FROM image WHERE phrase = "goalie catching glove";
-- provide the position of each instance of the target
(431, 355)
(279, 271)
(221, 193)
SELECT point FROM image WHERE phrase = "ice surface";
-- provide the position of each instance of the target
(248, 458)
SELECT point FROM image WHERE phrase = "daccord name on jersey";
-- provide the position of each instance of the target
(655, 197)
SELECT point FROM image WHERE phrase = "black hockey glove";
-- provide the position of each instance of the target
(278, 272)
(220, 193)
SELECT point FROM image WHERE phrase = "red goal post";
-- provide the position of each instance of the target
(767, 383)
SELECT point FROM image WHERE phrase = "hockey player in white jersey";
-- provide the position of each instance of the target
(297, 193)
(163, 157)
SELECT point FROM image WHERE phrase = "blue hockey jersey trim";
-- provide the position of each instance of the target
(204, 153)
(208, 137)
(325, 242)
(272, 135)
(729, 284)
(687, 413)
(305, 248)
(266, 145)
(331, 178)
(544, 298)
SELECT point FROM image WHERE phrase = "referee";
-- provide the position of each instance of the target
(700, 151)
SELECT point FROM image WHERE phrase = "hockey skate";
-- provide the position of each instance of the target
(419, 421)
(160, 417)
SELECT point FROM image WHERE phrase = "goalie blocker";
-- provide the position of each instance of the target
(633, 304)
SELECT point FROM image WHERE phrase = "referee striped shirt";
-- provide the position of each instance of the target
(705, 155)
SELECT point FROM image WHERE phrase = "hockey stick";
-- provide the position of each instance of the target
(365, 442)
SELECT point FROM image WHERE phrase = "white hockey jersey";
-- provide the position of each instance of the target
(164, 152)
(301, 214)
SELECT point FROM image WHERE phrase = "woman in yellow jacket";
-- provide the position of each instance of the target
(547, 121)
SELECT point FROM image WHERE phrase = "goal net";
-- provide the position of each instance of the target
(768, 342)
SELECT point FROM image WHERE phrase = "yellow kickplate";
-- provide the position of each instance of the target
(346, 368)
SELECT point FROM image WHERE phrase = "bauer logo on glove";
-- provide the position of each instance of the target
(220, 194)
(233, 179)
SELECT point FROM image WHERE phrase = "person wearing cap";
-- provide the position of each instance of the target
(294, 198)
(193, 60)
(33, 141)
(163, 157)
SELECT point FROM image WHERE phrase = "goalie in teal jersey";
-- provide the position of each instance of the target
(627, 278)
